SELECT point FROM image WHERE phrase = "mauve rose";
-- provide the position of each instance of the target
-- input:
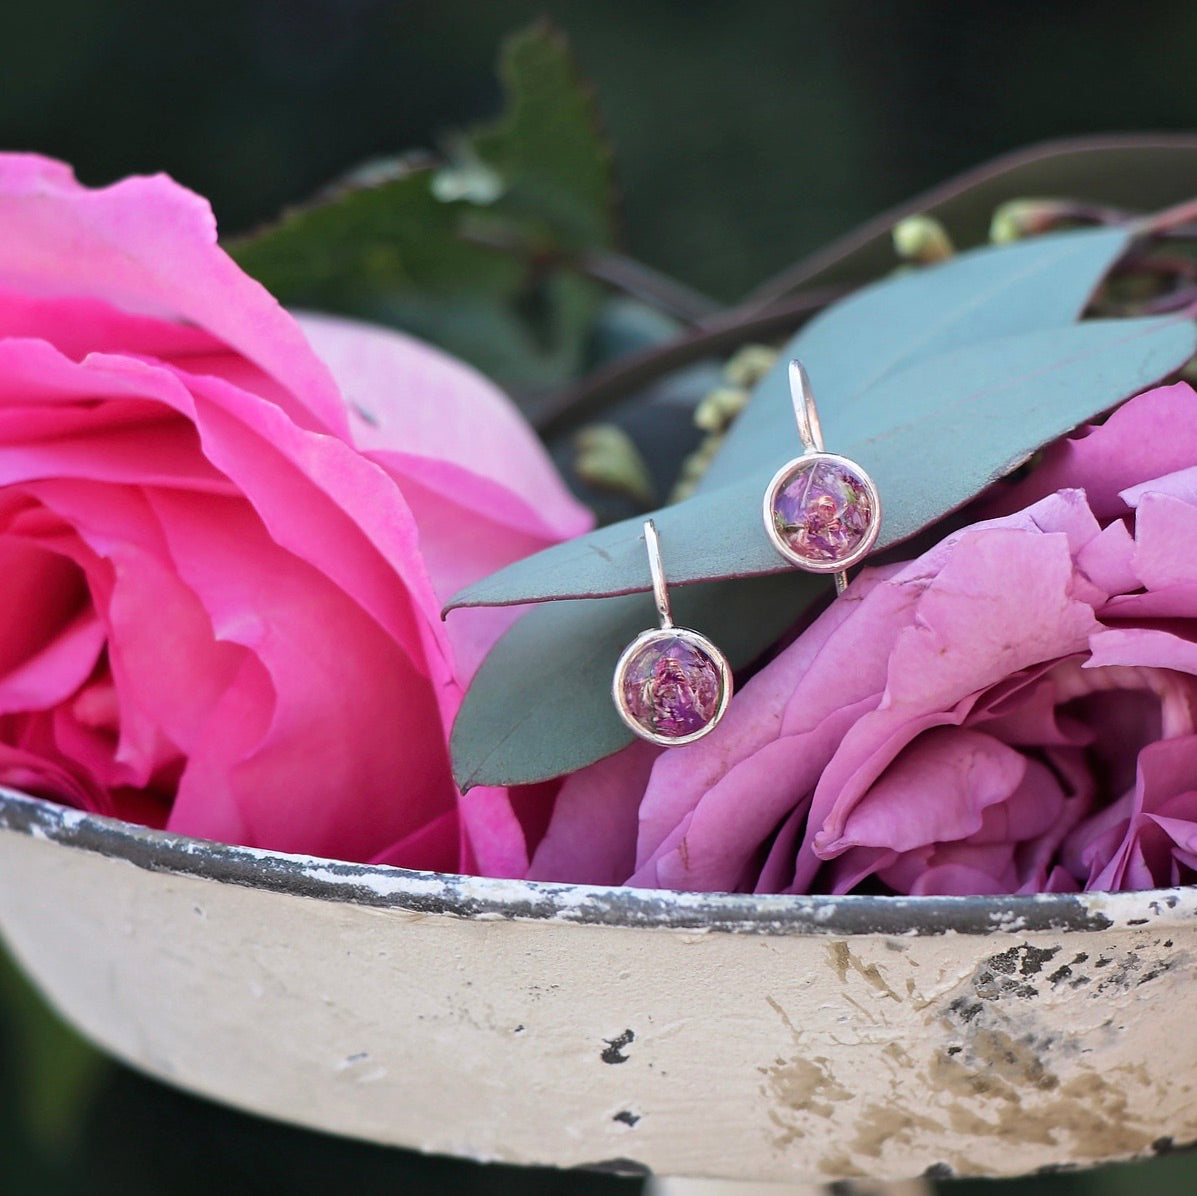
(225, 537)
(1014, 711)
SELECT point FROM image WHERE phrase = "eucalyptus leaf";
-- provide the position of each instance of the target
(945, 428)
(540, 706)
(852, 352)
(933, 436)
(855, 344)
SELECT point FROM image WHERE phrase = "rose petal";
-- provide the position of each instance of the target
(331, 777)
(148, 246)
(1151, 434)
(936, 790)
(1142, 646)
(42, 592)
(1026, 712)
(1120, 846)
(777, 872)
(57, 671)
(1001, 602)
(434, 847)
(1163, 524)
(78, 326)
(1108, 559)
(710, 847)
(34, 772)
(414, 401)
(959, 878)
(1176, 602)
(495, 837)
(591, 836)
(791, 696)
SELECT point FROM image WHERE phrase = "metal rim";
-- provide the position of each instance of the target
(865, 546)
(481, 898)
(697, 640)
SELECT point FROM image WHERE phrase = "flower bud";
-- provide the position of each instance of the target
(1021, 218)
(719, 408)
(749, 364)
(695, 466)
(606, 457)
(922, 240)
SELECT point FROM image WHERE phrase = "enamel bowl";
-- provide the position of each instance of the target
(777, 1038)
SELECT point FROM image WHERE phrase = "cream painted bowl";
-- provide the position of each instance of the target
(778, 1038)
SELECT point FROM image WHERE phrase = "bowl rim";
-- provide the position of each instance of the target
(492, 899)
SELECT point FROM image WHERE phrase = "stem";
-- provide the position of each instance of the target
(1180, 267)
(612, 269)
(643, 282)
(575, 404)
(1171, 219)
(1182, 299)
(1092, 213)
(771, 310)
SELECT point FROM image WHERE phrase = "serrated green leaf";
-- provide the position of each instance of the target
(478, 258)
(360, 250)
(391, 253)
(549, 148)
(933, 436)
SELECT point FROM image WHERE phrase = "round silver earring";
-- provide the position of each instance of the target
(822, 511)
(671, 685)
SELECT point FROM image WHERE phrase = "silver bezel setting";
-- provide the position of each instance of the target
(783, 475)
(696, 640)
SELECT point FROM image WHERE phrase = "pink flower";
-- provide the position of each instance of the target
(1014, 711)
(225, 537)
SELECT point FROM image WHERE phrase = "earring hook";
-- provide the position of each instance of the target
(805, 411)
(822, 511)
(657, 570)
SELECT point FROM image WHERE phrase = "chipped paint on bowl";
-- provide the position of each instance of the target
(776, 1038)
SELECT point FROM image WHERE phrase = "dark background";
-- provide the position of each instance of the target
(747, 135)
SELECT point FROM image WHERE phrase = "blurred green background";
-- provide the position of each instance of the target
(747, 135)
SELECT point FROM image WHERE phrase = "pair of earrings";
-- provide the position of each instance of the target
(821, 512)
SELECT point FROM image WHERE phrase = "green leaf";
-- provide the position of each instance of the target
(541, 706)
(479, 258)
(933, 436)
(854, 353)
(392, 253)
(858, 342)
(364, 249)
(549, 149)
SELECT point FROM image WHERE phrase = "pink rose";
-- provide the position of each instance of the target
(1014, 711)
(225, 537)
